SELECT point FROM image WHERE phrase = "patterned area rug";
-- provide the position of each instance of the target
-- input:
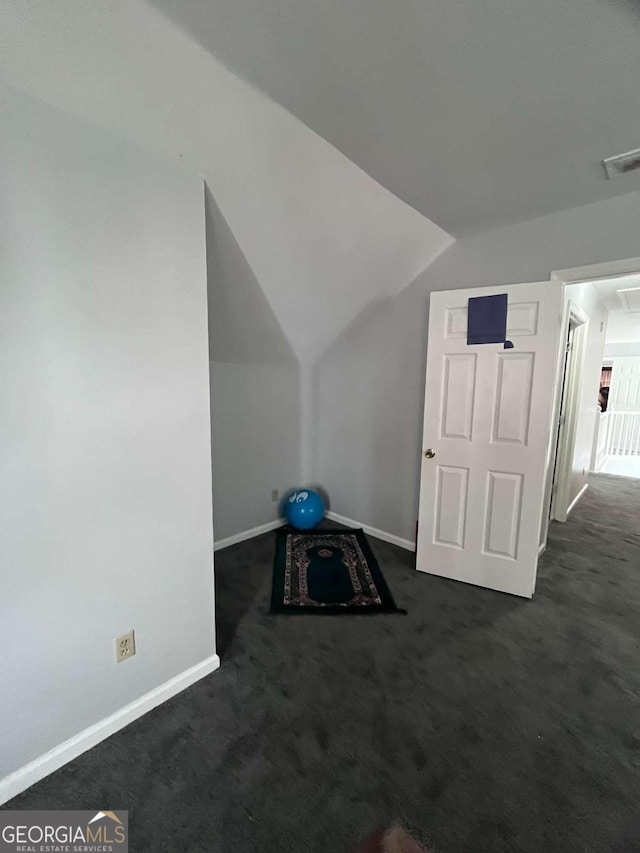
(328, 571)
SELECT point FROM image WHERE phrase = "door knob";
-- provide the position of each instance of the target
(429, 453)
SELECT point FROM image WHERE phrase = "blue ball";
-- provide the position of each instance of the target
(304, 509)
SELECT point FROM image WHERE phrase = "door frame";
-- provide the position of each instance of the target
(568, 410)
(575, 275)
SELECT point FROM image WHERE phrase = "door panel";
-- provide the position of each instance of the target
(459, 382)
(502, 528)
(451, 505)
(522, 319)
(513, 397)
(488, 420)
(624, 394)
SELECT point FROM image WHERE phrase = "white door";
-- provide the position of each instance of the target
(624, 393)
(487, 422)
(623, 409)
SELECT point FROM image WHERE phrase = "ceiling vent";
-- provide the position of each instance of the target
(630, 300)
(622, 164)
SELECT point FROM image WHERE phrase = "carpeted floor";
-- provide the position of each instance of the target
(481, 722)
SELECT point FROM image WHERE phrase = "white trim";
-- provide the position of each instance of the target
(248, 534)
(332, 516)
(372, 531)
(569, 407)
(21, 779)
(542, 549)
(609, 269)
(577, 498)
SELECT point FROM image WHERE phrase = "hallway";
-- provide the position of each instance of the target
(483, 722)
(622, 466)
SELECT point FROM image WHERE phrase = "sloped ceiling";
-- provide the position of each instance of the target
(607, 289)
(322, 238)
(475, 112)
(623, 326)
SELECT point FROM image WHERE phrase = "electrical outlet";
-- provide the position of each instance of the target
(125, 646)
(275, 494)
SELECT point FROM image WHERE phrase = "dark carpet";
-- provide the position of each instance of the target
(479, 721)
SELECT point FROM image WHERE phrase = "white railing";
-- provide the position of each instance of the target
(623, 434)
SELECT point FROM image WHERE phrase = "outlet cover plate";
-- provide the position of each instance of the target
(125, 646)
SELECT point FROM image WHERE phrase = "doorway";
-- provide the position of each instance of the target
(608, 416)
(509, 423)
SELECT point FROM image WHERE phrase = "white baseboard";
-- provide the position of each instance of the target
(333, 516)
(577, 498)
(248, 534)
(372, 531)
(21, 779)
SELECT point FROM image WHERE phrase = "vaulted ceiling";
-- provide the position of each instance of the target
(403, 122)
(474, 113)
(321, 238)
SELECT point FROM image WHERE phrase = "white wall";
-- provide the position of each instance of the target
(622, 350)
(309, 234)
(105, 482)
(371, 380)
(255, 389)
(623, 328)
(255, 432)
